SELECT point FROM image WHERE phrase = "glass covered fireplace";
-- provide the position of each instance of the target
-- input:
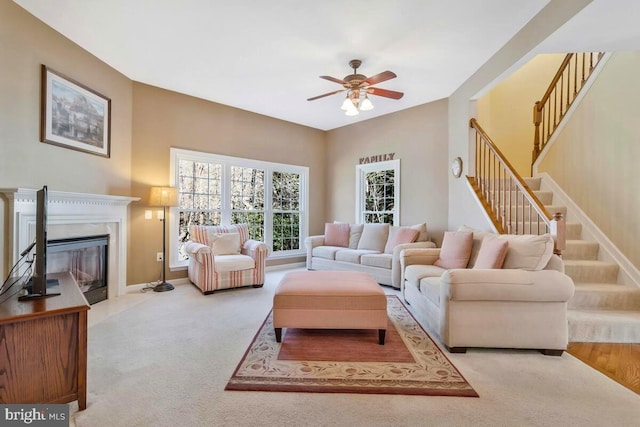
(86, 258)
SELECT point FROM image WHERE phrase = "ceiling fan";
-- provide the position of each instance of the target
(359, 87)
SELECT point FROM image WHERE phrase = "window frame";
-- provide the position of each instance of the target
(177, 154)
(361, 174)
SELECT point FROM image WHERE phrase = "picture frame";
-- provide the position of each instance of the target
(73, 115)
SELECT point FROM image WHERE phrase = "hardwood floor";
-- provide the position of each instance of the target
(620, 362)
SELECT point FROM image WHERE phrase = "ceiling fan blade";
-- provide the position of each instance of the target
(378, 78)
(326, 94)
(333, 79)
(384, 92)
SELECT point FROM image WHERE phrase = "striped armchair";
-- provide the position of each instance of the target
(242, 266)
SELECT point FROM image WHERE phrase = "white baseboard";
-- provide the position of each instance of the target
(629, 275)
(286, 266)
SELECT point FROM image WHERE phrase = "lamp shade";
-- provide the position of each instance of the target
(163, 196)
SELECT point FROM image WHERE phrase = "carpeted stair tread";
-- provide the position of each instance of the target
(621, 326)
(591, 271)
(574, 230)
(605, 296)
(533, 183)
(581, 249)
(545, 197)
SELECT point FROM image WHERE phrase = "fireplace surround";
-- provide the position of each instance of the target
(73, 215)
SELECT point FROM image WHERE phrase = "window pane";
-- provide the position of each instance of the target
(379, 195)
(247, 188)
(199, 185)
(286, 191)
(378, 217)
(286, 229)
(255, 220)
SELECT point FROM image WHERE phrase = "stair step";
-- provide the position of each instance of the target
(533, 183)
(574, 230)
(581, 249)
(604, 326)
(545, 197)
(605, 296)
(584, 271)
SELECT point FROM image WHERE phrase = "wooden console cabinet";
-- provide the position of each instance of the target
(43, 347)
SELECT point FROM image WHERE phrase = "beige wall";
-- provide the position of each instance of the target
(506, 111)
(595, 158)
(25, 44)
(418, 137)
(163, 119)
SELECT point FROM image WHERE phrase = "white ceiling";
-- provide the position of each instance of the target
(266, 56)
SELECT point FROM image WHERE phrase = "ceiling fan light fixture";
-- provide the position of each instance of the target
(352, 111)
(366, 104)
(346, 104)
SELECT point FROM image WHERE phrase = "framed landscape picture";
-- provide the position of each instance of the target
(73, 115)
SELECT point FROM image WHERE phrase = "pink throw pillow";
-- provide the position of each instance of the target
(336, 235)
(398, 236)
(492, 253)
(456, 249)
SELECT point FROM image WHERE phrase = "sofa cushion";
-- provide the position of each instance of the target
(399, 235)
(326, 252)
(492, 253)
(430, 288)
(224, 243)
(528, 252)
(377, 260)
(456, 249)
(478, 237)
(336, 235)
(234, 263)
(351, 255)
(415, 273)
(374, 237)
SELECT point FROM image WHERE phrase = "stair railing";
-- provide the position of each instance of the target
(575, 70)
(507, 199)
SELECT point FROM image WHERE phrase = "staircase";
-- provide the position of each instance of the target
(602, 309)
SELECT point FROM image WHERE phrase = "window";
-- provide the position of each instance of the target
(270, 197)
(378, 192)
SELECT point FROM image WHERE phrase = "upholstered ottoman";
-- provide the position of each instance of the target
(329, 300)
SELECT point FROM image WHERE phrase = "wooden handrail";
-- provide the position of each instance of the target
(565, 86)
(508, 200)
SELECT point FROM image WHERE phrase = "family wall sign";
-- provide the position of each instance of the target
(377, 158)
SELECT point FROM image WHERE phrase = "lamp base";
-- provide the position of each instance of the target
(162, 287)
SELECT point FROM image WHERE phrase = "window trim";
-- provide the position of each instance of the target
(361, 173)
(176, 154)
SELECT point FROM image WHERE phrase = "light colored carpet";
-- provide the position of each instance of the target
(165, 360)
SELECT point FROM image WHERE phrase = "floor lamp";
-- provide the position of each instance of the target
(165, 197)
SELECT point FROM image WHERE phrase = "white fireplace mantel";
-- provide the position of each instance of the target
(73, 215)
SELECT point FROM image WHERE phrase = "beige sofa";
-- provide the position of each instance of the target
(365, 251)
(522, 306)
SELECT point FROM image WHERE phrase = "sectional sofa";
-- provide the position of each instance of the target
(371, 248)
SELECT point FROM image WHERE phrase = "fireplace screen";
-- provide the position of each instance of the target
(86, 259)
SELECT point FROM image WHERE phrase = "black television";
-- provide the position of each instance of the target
(36, 287)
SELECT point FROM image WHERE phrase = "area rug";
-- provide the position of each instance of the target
(350, 361)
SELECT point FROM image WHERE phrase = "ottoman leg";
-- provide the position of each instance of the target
(381, 335)
(278, 334)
